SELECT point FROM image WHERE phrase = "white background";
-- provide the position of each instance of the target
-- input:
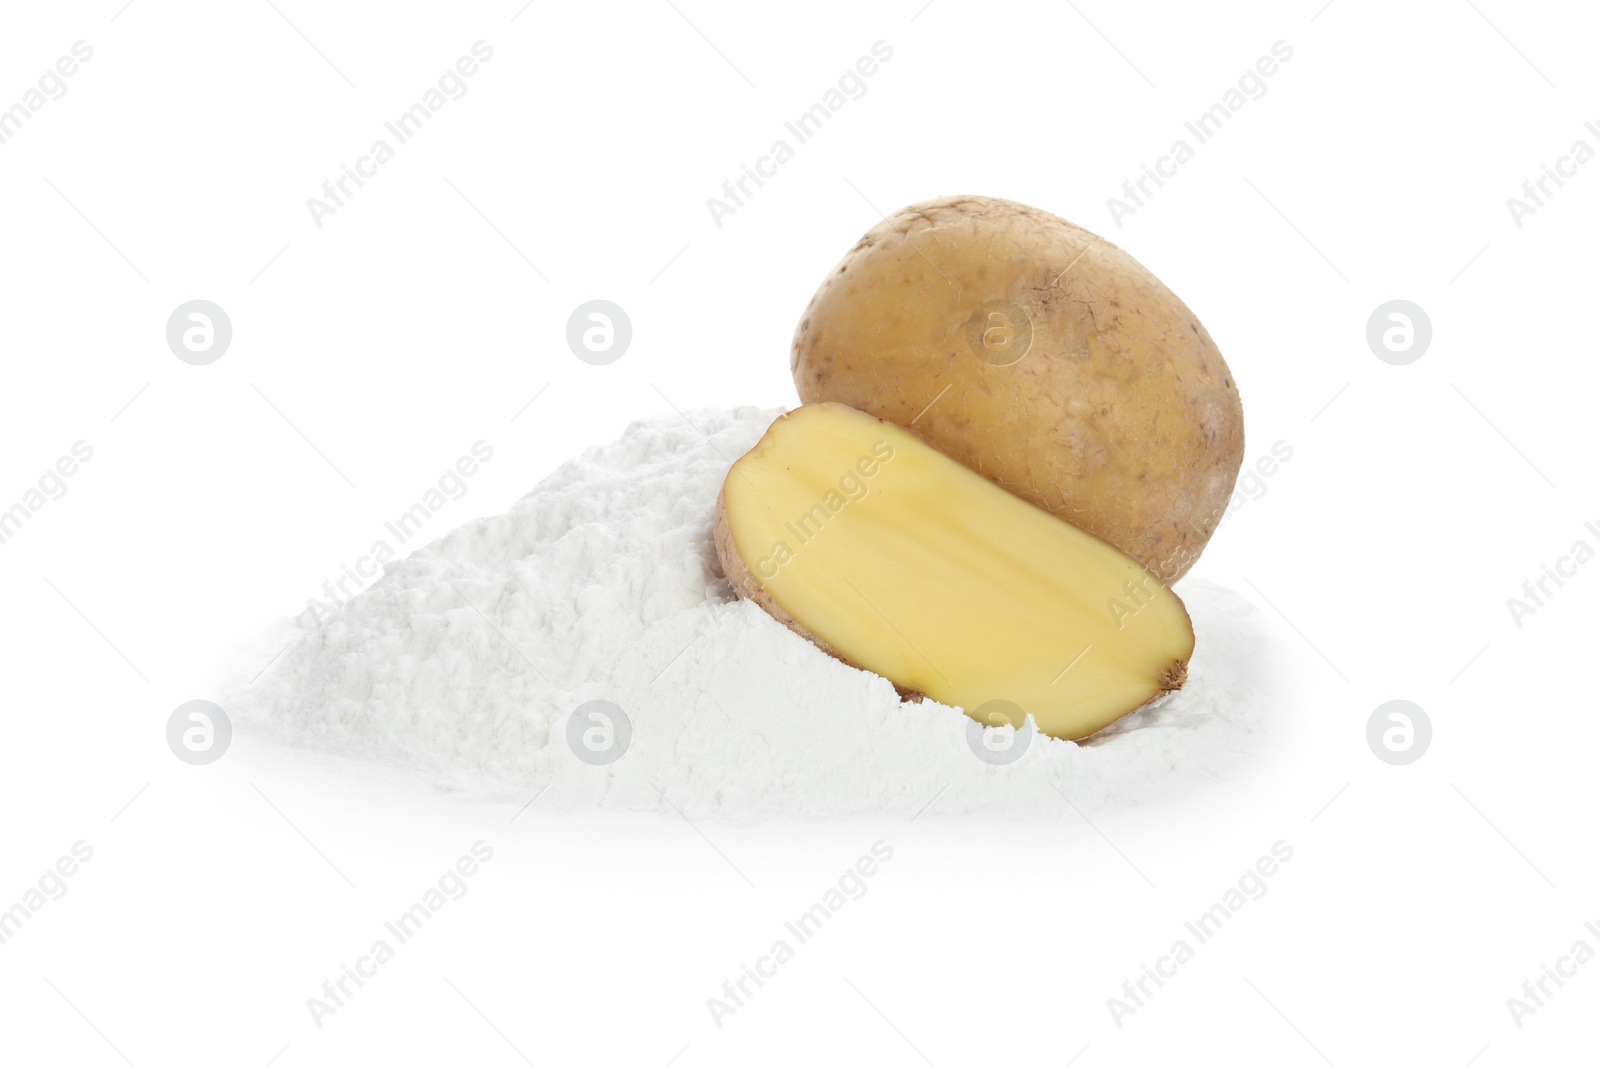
(370, 353)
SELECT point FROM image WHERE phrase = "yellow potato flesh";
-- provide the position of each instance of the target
(914, 567)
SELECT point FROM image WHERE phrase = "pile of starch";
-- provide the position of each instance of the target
(465, 661)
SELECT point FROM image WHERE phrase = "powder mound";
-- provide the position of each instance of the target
(464, 661)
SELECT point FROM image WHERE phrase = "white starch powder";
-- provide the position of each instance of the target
(466, 658)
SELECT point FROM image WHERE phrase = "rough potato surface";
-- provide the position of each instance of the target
(1041, 356)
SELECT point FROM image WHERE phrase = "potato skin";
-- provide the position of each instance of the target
(1041, 356)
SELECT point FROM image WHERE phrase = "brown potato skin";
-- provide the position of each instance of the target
(1121, 417)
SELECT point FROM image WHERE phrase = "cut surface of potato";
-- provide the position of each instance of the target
(895, 558)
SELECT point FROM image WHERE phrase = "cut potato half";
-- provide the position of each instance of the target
(895, 558)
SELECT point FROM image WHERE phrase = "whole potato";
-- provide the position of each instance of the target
(1041, 356)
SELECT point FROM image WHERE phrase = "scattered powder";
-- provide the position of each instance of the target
(465, 659)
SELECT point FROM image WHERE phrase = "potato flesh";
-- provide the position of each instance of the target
(912, 566)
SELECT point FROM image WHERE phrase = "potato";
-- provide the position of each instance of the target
(1041, 356)
(889, 555)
